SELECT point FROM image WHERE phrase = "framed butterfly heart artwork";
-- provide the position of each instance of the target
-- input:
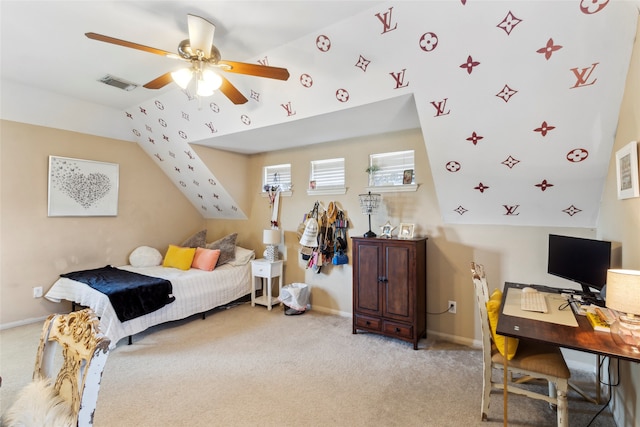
(82, 187)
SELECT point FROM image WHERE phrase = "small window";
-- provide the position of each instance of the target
(394, 168)
(326, 174)
(277, 176)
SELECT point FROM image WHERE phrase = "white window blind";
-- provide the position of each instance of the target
(389, 168)
(327, 174)
(277, 176)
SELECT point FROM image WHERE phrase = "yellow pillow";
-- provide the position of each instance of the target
(179, 257)
(493, 310)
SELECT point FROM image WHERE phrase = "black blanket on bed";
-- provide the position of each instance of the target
(131, 294)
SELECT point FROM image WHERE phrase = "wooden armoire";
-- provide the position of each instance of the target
(390, 287)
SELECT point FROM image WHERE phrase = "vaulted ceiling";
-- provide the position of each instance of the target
(517, 100)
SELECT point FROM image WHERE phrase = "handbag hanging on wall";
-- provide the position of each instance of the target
(339, 257)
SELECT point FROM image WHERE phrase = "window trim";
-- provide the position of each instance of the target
(391, 154)
(325, 190)
(282, 191)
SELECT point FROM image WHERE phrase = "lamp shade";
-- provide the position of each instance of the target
(369, 203)
(623, 291)
(271, 237)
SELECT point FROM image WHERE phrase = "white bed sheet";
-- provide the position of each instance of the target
(196, 291)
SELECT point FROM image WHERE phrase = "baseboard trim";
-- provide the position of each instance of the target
(455, 339)
(22, 322)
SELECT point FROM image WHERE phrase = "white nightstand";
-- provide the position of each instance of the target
(264, 269)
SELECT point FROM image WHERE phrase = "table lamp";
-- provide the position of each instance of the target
(623, 295)
(369, 205)
(272, 239)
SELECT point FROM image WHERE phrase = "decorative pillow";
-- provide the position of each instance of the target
(179, 257)
(198, 240)
(227, 246)
(205, 259)
(38, 404)
(243, 256)
(145, 256)
(493, 310)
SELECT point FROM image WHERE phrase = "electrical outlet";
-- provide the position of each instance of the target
(452, 307)
(37, 292)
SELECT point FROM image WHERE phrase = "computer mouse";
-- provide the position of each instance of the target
(528, 289)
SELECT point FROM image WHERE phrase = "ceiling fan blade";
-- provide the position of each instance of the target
(256, 70)
(160, 82)
(113, 40)
(200, 34)
(231, 92)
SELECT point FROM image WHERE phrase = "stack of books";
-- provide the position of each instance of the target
(600, 318)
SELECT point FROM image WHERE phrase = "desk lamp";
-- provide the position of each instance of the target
(369, 205)
(271, 238)
(623, 295)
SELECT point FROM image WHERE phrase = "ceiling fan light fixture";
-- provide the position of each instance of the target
(182, 77)
(203, 89)
(211, 79)
(207, 83)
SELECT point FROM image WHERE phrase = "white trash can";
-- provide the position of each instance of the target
(296, 297)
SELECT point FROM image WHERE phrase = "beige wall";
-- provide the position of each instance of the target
(620, 222)
(35, 249)
(509, 253)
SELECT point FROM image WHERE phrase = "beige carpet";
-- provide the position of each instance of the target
(247, 366)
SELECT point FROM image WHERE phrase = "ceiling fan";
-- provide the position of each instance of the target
(204, 58)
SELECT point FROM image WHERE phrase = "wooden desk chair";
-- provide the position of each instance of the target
(531, 360)
(66, 379)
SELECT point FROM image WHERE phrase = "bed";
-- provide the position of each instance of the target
(196, 291)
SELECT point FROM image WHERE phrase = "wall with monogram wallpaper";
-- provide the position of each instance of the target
(517, 100)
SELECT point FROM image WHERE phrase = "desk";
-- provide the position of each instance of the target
(582, 338)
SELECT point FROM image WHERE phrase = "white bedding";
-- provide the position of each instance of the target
(196, 291)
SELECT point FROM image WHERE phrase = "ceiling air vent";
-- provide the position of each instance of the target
(118, 82)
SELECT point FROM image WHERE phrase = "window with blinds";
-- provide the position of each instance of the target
(277, 176)
(395, 168)
(326, 174)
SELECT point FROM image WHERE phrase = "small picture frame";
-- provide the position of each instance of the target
(407, 176)
(312, 185)
(386, 230)
(627, 171)
(406, 231)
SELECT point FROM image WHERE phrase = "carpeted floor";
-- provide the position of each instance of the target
(246, 366)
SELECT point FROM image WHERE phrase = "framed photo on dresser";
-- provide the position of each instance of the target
(406, 231)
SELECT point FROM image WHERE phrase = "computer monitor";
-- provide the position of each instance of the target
(584, 261)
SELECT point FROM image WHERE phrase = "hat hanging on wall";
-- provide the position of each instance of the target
(310, 234)
(332, 213)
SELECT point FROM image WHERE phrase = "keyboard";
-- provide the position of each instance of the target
(533, 301)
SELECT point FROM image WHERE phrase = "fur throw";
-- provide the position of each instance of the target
(38, 404)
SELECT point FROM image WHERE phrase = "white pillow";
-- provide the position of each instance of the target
(145, 256)
(243, 256)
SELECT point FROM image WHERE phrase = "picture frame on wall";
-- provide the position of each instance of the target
(627, 171)
(82, 187)
(407, 176)
(406, 231)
